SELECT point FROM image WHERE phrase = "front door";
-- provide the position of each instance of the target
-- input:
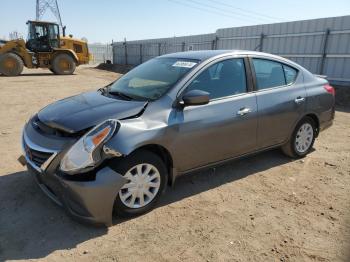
(222, 129)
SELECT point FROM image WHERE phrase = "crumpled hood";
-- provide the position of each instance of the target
(80, 112)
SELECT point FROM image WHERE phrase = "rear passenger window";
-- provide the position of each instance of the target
(290, 73)
(268, 73)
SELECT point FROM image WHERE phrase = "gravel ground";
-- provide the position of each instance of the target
(263, 208)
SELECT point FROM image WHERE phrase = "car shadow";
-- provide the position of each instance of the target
(32, 227)
(204, 180)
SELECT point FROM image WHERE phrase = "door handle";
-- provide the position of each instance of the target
(244, 111)
(299, 100)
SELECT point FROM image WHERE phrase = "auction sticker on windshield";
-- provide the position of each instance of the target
(184, 64)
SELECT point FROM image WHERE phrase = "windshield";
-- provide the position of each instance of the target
(152, 79)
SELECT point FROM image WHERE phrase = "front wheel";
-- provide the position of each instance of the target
(11, 64)
(302, 139)
(147, 179)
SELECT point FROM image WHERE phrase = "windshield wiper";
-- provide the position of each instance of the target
(120, 94)
(105, 90)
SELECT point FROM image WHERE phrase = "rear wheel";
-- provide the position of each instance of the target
(11, 64)
(302, 139)
(63, 64)
(147, 179)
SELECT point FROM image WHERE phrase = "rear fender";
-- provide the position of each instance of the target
(310, 113)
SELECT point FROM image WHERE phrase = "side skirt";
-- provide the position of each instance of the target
(222, 162)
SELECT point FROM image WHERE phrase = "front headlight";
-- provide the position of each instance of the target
(86, 152)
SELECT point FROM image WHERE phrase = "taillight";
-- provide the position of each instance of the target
(330, 89)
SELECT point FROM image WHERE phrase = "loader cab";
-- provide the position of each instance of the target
(42, 36)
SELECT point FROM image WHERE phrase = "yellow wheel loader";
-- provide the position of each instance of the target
(45, 48)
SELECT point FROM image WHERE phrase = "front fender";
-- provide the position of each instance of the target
(135, 133)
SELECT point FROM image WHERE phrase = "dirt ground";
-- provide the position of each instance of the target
(262, 208)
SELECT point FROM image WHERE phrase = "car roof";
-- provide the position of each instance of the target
(207, 54)
(197, 55)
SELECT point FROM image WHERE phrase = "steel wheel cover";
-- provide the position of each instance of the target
(142, 186)
(304, 138)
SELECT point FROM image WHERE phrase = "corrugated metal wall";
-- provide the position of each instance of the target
(100, 53)
(320, 45)
(136, 52)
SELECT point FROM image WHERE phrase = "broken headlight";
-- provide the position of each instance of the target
(86, 152)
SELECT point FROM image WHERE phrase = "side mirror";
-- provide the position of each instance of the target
(195, 98)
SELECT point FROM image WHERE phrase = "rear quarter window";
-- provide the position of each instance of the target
(290, 73)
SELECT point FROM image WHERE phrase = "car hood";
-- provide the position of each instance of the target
(83, 111)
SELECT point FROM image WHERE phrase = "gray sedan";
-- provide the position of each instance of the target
(118, 148)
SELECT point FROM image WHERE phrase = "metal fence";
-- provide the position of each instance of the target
(320, 45)
(100, 53)
(137, 52)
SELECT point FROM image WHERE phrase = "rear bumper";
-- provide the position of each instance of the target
(89, 201)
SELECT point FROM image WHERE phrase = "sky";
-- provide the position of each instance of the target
(105, 20)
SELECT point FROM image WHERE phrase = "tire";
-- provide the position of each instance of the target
(11, 64)
(132, 206)
(63, 64)
(300, 143)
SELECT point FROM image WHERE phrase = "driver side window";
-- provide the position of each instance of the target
(225, 78)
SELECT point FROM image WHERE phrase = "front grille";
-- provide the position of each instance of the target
(37, 157)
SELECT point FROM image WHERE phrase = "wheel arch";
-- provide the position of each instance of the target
(314, 117)
(166, 157)
(68, 52)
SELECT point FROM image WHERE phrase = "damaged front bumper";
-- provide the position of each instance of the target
(89, 201)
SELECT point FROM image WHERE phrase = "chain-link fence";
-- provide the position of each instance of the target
(100, 53)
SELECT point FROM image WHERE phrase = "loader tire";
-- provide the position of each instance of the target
(63, 64)
(11, 64)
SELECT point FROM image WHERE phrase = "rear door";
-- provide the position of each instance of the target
(280, 94)
(224, 128)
